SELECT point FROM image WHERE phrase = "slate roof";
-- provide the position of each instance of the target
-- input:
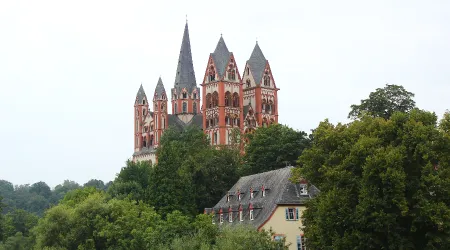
(185, 75)
(159, 89)
(145, 150)
(221, 56)
(197, 120)
(279, 191)
(246, 109)
(140, 94)
(257, 63)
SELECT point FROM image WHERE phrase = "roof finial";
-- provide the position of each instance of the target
(186, 19)
(256, 40)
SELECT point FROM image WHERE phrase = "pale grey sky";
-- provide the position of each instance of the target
(70, 70)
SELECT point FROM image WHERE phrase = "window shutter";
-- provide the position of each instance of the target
(299, 242)
(296, 215)
(287, 213)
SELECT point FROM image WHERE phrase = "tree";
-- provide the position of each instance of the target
(19, 220)
(99, 184)
(41, 188)
(2, 223)
(17, 242)
(384, 184)
(272, 148)
(384, 102)
(133, 182)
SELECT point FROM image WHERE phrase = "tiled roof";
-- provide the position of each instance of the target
(221, 56)
(278, 191)
(185, 75)
(257, 63)
(159, 89)
(140, 94)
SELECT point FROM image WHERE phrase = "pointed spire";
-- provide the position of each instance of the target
(185, 75)
(140, 94)
(257, 63)
(221, 56)
(159, 90)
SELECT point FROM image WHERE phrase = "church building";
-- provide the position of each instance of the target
(228, 100)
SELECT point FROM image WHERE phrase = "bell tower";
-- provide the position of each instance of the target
(185, 93)
(222, 96)
(141, 113)
(260, 92)
(160, 117)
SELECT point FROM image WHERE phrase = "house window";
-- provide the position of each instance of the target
(301, 242)
(292, 214)
(184, 107)
(278, 238)
(230, 215)
(220, 218)
(303, 189)
(251, 214)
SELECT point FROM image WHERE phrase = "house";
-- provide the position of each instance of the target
(268, 201)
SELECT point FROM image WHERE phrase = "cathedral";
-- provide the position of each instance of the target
(228, 100)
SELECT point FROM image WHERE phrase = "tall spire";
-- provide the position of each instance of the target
(160, 92)
(140, 94)
(221, 56)
(185, 76)
(257, 63)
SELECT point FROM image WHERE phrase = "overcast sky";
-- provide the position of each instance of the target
(70, 70)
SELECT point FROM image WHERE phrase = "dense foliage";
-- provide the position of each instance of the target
(385, 184)
(384, 102)
(273, 147)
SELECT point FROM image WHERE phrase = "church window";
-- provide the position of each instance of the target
(209, 101)
(248, 70)
(215, 99)
(248, 83)
(227, 120)
(156, 106)
(144, 142)
(164, 123)
(143, 101)
(266, 80)
(236, 100)
(194, 107)
(227, 99)
(184, 95)
(163, 107)
(195, 95)
(212, 74)
(174, 96)
(151, 140)
(207, 123)
(184, 107)
(143, 111)
(175, 109)
(215, 138)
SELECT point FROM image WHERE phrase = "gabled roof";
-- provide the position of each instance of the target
(221, 56)
(279, 191)
(185, 75)
(141, 94)
(159, 90)
(257, 63)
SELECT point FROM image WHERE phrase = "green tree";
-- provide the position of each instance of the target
(272, 148)
(99, 184)
(2, 222)
(19, 220)
(41, 188)
(384, 102)
(133, 182)
(17, 242)
(384, 184)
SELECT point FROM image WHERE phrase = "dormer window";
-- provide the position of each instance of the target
(220, 216)
(239, 195)
(228, 197)
(263, 191)
(241, 215)
(251, 193)
(303, 189)
(251, 212)
(230, 215)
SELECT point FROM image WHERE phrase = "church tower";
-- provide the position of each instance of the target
(141, 113)
(222, 96)
(185, 93)
(160, 117)
(260, 92)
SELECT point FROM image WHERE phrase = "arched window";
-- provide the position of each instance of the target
(151, 140)
(184, 107)
(233, 74)
(263, 105)
(248, 70)
(208, 101)
(156, 106)
(269, 107)
(144, 142)
(194, 96)
(175, 108)
(194, 107)
(235, 100)
(227, 99)
(248, 83)
(212, 74)
(266, 80)
(215, 99)
(184, 95)
(215, 137)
